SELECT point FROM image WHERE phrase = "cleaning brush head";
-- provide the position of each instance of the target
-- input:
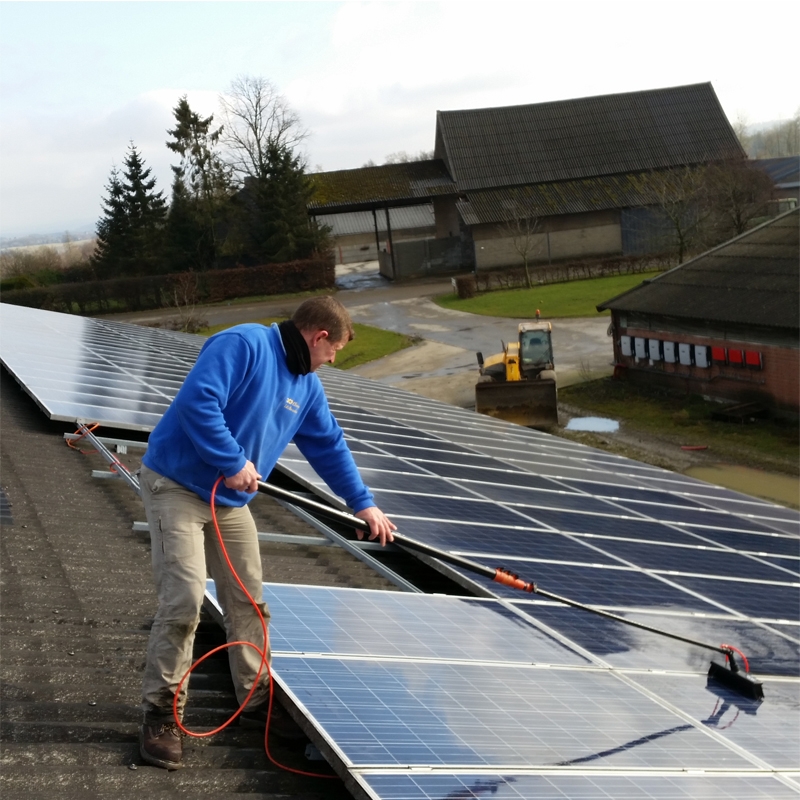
(737, 681)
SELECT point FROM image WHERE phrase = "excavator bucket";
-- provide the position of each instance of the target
(532, 403)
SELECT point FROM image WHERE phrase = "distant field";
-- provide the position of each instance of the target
(59, 247)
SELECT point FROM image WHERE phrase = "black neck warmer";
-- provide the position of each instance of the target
(298, 359)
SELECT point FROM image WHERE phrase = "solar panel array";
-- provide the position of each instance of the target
(577, 693)
(95, 370)
(422, 696)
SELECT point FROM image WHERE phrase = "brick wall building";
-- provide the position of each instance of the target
(725, 324)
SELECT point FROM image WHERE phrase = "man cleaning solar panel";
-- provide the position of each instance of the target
(251, 392)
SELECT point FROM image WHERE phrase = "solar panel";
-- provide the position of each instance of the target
(93, 370)
(446, 697)
(515, 786)
(527, 696)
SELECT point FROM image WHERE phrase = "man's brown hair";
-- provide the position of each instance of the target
(324, 313)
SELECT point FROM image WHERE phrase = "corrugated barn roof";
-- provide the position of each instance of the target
(400, 219)
(549, 199)
(753, 279)
(586, 137)
(785, 172)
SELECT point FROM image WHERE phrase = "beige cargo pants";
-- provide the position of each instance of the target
(184, 545)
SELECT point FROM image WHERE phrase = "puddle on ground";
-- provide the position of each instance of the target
(775, 486)
(593, 424)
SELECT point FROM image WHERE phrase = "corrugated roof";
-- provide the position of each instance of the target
(410, 181)
(785, 172)
(753, 279)
(586, 137)
(549, 199)
(400, 219)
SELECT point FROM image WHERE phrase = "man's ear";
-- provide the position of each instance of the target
(318, 337)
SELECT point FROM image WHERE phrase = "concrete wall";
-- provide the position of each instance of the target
(448, 221)
(362, 247)
(777, 384)
(427, 257)
(571, 236)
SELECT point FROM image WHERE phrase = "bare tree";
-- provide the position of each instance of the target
(682, 195)
(740, 192)
(257, 118)
(521, 225)
(777, 140)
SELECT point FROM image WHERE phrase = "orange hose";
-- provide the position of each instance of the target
(262, 652)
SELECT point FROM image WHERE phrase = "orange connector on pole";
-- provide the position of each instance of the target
(514, 581)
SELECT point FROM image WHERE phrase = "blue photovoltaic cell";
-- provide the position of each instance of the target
(315, 619)
(485, 474)
(698, 517)
(531, 500)
(430, 451)
(758, 600)
(776, 544)
(507, 786)
(415, 483)
(615, 492)
(376, 461)
(577, 522)
(114, 373)
(769, 730)
(691, 559)
(416, 714)
(600, 586)
(698, 489)
(501, 542)
(772, 650)
(472, 509)
(792, 565)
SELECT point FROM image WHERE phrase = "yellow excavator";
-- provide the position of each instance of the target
(519, 384)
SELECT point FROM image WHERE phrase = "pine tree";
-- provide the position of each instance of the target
(113, 229)
(184, 235)
(273, 217)
(202, 184)
(130, 235)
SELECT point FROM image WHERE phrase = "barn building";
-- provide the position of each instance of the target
(577, 167)
(725, 324)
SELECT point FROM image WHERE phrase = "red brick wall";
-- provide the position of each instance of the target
(778, 382)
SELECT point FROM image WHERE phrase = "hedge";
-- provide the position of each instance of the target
(159, 291)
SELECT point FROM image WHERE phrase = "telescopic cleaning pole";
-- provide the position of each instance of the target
(730, 676)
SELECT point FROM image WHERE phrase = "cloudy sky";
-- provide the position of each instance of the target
(79, 81)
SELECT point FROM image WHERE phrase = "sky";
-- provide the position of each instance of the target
(79, 81)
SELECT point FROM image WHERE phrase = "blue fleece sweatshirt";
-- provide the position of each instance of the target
(240, 402)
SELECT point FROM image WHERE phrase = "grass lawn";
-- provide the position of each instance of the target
(768, 444)
(369, 343)
(571, 299)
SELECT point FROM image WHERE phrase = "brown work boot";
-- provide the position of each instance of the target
(160, 745)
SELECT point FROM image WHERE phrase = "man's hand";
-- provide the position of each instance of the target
(245, 479)
(381, 526)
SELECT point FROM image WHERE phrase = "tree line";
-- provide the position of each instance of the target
(238, 197)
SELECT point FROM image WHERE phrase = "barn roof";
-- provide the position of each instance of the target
(550, 199)
(585, 137)
(753, 279)
(407, 183)
(401, 219)
(785, 171)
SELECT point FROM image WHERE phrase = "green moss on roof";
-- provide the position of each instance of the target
(411, 180)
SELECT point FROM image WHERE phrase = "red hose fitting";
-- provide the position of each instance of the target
(514, 581)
